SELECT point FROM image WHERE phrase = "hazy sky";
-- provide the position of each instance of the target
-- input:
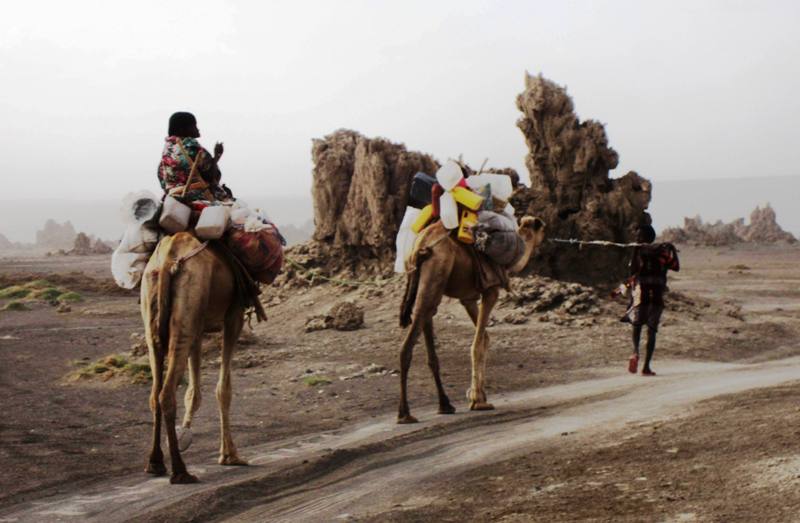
(686, 89)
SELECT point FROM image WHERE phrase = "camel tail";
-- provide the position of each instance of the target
(412, 286)
(164, 301)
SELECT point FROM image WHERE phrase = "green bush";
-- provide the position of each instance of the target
(70, 296)
(14, 292)
(15, 306)
(49, 293)
(313, 381)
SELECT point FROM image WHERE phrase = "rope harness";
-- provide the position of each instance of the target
(194, 252)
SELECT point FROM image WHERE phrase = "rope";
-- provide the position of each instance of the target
(177, 265)
(602, 243)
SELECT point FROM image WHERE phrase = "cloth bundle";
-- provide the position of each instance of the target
(142, 234)
(496, 236)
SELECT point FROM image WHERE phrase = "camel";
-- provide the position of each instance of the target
(441, 266)
(187, 290)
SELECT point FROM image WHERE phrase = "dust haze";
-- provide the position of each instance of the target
(687, 92)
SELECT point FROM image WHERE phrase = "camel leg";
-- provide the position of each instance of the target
(155, 464)
(227, 450)
(445, 407)
(429, 295)
(403, 412)
(480, 349)
(179, 345)
(192, 398)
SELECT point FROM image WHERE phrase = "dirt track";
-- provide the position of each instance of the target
(321, 453)
(370, 468)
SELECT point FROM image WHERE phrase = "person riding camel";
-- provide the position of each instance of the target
(647, 285)
(181, 151)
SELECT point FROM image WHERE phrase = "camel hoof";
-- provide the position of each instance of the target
(183, 478)
(447, 409)
(184, 438)
(408, 418)
(156, 469)
(480, 405)
(232, 461)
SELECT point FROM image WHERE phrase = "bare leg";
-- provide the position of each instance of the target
(233, 327)
(651, 347)
(433, 363)
(178, 356)
(155, 464)
(637, 336)
(479, 353)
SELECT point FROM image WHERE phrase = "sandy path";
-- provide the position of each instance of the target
(368, 468)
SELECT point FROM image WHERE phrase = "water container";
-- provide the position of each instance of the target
(174, 215)
(501, 184)
(449, 175)
(448, 211)
(421, 219)
(467, 198)
(213, 222)
(420, 193)
(468, 220)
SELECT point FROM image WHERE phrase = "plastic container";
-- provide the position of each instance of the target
(449, 175)
(467, 198)
(500, 183)
(174, 215)
(468, 221)
(422, 219)
(448, 211)
(421, 188)
(405, 238)
(213, 222)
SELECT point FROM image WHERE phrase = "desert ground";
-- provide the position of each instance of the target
(714, 437)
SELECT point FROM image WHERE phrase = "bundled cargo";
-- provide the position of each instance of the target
(260, 251)
(496, 236)
(139, 211)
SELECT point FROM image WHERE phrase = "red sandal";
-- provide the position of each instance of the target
(633, 364)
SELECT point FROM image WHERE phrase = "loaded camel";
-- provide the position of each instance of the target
(441, 266)
(187, 290)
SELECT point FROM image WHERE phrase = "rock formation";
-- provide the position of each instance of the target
(360, 189)
(569, 163)
(763, 228)
(55, 235)
(5, 243)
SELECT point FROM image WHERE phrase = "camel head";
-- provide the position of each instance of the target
(531, 229)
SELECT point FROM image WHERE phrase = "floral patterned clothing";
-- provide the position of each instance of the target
(174, 169)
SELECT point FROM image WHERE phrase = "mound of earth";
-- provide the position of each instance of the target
(569, 163)
(763, 228)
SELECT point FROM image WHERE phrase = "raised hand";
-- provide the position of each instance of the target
(218, 150)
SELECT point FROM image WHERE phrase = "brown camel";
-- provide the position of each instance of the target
(187, 291)
(444, 267)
